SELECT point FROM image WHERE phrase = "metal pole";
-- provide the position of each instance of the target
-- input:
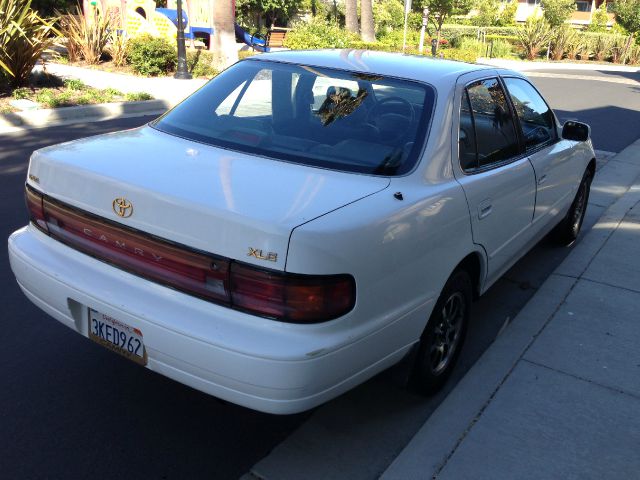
(182, 73)
(425, 17)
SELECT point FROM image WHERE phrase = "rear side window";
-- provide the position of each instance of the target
(487, 114)
(315, 116)
(536, 118)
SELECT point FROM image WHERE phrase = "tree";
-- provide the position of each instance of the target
(441, 10)
(367, 29)
(273, 11)
(508, 14)
(628, 15)
(599, 19)
(557, 11)
(488, 13)
(225, 51)
(351, 15)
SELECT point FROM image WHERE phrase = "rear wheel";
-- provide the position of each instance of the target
(568, 229)
(444, 335)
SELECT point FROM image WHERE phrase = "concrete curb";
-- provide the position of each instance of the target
(10, 122)
(434, 444)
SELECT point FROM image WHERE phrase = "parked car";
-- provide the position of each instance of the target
(302, 222)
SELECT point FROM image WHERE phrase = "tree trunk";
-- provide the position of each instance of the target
(366, 20)
(223, 44)
(351, 15)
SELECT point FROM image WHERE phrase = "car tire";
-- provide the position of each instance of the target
(568, 229)
(443, 337)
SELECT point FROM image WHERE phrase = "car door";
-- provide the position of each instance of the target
(551, 157)
(495, 174)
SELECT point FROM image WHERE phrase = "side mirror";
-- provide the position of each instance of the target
(576, 131)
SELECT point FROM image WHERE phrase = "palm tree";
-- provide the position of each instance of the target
(224, 47)
(366, 21)
(351, 15)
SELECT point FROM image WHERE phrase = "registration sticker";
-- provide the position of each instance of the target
(117, 336)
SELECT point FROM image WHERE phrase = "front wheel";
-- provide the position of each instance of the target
(568, 229)
(444, 335)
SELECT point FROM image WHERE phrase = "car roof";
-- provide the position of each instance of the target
(413, 67)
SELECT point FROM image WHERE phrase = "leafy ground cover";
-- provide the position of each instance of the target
(49, 91)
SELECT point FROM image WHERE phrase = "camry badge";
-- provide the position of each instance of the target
(122, 207)
(257, 253)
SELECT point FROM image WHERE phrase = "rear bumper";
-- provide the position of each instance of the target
(254, 362)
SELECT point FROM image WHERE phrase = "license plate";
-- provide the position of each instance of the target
(117, 336)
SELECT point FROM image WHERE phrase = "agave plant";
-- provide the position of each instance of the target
(24, 36)
(563, 38)
(533, 35)
(87, 36)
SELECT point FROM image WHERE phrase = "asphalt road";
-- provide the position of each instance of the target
(70, 409)
(611, 104)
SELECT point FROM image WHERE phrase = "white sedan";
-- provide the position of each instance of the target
(302, 222)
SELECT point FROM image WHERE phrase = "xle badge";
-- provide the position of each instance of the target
(257, 253)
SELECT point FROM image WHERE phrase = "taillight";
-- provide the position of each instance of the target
(172, 265)
(278, 295)
(290, 297)
(33, 199)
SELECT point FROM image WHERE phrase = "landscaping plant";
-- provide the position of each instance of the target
(556, 12)
(151, 56)
(24, 36)
(117, 48)
(86, 38)
(533, 35)
(563, 38)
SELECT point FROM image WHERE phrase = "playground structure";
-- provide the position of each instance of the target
(137, 17)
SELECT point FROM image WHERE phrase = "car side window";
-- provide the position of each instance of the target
(495, 131)
(536, 118)
(467, 150)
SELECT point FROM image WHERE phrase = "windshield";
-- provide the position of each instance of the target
(314, 116)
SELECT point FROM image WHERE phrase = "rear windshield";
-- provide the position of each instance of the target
(313, 116)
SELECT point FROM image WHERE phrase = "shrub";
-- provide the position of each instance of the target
(21, 93)
(564, 36)
(318, 34)
(24, 36)
(599, 19)
(200, 63)
(469, 56)
(533, 35)
(602, 44)
(86, 40)
(499, 48)
(151, 56)
(138, 96)
(74, 84)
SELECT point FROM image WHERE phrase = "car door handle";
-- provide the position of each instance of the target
(484, 210)
(542, 179)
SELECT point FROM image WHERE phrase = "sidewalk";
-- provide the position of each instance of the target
(162, 88)
(558, 393)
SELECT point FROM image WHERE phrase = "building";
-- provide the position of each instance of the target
(582, 16)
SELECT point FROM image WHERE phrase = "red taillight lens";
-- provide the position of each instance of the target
(282, 296)
(289, 297)
(33, 199)
(172, 265)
